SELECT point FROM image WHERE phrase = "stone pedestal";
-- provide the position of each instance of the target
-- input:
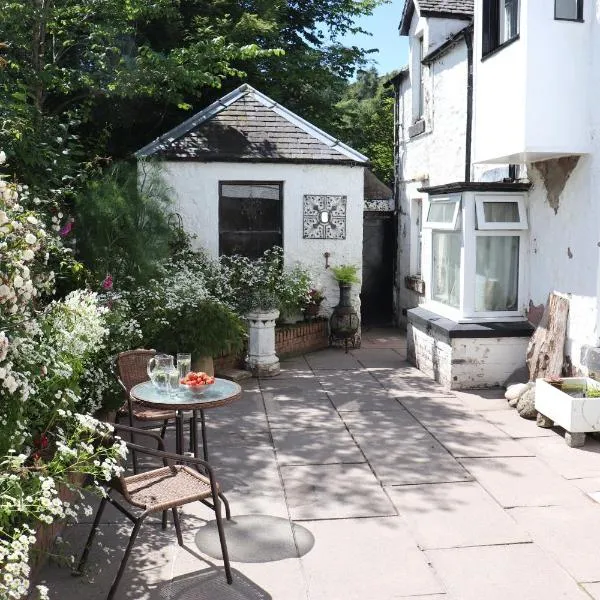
(262, 360)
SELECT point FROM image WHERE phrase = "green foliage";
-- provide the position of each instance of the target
(368, 121)
(345, 273)
(122, 227)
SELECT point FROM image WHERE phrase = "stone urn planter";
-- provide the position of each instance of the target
(262, 360)
(573, 403)
(344, 321)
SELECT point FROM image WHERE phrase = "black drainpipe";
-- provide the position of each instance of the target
(469, 128)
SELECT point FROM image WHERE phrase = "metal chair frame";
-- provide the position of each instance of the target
(169, 460)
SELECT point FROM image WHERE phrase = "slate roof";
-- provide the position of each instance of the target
(246, 125)
(449, 9)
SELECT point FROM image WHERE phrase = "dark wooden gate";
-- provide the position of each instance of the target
(379, 249)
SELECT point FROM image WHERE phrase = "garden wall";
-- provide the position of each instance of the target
(290, 340)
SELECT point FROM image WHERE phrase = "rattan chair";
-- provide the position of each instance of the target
(130, 368)
(168, 487)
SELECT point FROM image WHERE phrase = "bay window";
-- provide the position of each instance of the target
(477, 248)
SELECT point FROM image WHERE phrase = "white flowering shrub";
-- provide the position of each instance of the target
(46, 349)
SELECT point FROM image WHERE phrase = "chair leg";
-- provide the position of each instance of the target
(88, 544)
(177, 526)
(164, 519)
(224, 551)
(115, 585)
(226, 504)
(163, 429)
(132, 438)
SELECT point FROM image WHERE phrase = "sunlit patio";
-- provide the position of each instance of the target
(352, 476)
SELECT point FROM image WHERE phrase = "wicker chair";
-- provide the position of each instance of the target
(130, 368)
(158, 490)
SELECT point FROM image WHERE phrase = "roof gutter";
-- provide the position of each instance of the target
(468, 34)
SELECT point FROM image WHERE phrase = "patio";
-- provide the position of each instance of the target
(353, 477)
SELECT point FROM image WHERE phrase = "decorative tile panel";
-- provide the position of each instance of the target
(324, 217)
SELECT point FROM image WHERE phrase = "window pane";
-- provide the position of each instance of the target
(250, 190)
(445, 286)
(497, 273)
(501, 212)
(567, 9)
(509, 20)
(441, 212)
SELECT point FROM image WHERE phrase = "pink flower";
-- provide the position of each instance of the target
(66, 229)
(107, 284)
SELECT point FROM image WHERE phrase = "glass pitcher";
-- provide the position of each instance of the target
(162, 371)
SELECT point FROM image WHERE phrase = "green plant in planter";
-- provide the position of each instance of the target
(347, 274)
(206, 328)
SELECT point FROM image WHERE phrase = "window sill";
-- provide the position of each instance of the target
(417, 129)
(500, 47)
(569, 20)
(429, 321)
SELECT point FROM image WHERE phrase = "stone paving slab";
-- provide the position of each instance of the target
(308, 446)
(302, 414)
(593, 589)
(570, 536)
(334, 492)
(519, 571)
(366, 400)
(380, 337)
(333, 358)
(381, 358)
(291, 389)
(360, 559)
(400, 450)
(515, 426)
(523, 481)
(571, 463)
(483, 399)
(449, 515)
(463, 432)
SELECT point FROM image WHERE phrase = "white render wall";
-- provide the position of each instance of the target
(434, 157)
(195, 187)
(532, 97)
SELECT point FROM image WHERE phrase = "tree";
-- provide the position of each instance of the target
(368, 121)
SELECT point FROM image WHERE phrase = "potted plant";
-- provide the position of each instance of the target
(571, 402)
(344, 322)
(261, 313)
(313, 305)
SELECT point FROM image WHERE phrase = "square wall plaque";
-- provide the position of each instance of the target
(324, 217)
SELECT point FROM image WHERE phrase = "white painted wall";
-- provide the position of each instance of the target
(435, 157)
(532, 97)
(195, 187)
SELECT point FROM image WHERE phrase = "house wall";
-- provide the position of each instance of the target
(434, 157)
(524, 111)
(195, 187)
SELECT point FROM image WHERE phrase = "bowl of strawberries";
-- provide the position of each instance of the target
(196, 382)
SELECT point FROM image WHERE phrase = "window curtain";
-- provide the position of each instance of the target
(497, 273)
(446, 268)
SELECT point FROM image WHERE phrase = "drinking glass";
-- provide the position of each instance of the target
(184, 365)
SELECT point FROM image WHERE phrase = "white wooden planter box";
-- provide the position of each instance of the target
(577, 416)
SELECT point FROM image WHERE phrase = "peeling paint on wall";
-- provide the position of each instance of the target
(555, 174)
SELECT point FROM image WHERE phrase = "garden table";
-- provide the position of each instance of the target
(220, 393)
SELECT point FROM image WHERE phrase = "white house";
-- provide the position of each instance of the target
(248, 174)
(497, 163)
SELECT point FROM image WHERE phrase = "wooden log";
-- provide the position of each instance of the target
(545, 353)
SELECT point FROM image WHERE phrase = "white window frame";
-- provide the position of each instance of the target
(467, 224)
(483, 224)
(453, 225)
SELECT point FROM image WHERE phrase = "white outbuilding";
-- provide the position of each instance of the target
(248, 174)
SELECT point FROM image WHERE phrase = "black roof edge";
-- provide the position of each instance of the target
(443, 14)
(407, 15)
(446, 46)
(397, 78)
(476, 186)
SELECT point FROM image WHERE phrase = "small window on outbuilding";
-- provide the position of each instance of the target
(568, 10)
(250, 217)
